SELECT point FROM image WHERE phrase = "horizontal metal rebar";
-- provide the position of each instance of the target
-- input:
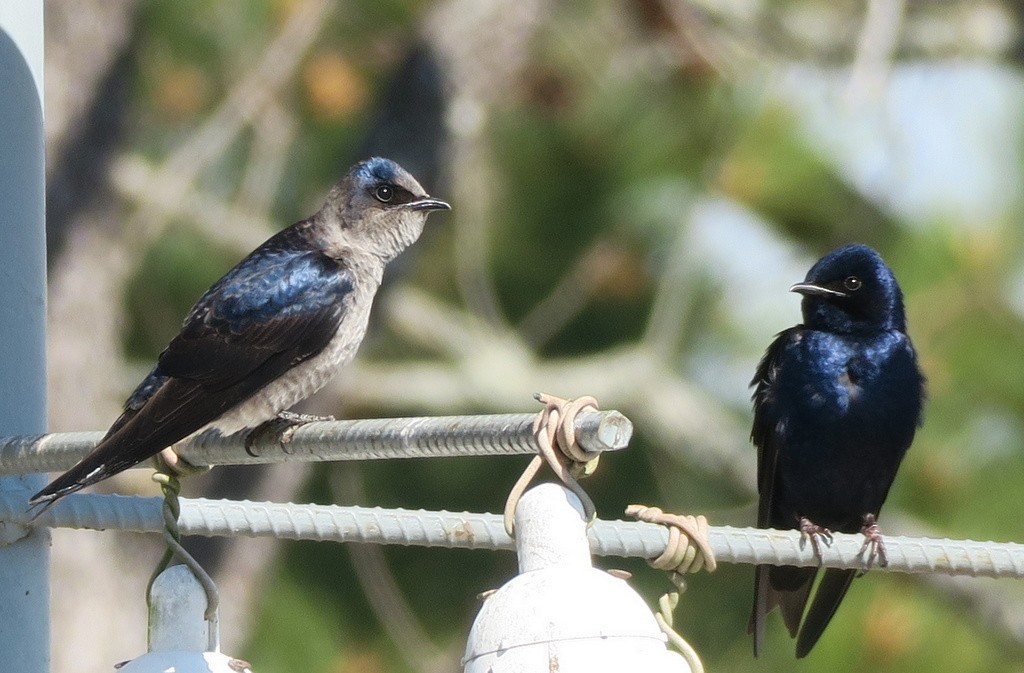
(427, 437)
(486, 531)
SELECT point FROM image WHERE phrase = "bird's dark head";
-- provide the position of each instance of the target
(379, 207)
(851, 290)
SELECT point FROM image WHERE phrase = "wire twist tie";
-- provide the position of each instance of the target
(555, 432)
(666, 607)
(688, 551)
(171, 487)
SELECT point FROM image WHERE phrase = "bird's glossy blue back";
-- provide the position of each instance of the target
(276, 281)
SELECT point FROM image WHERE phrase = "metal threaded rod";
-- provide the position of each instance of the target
(427, 437)
(486, 531)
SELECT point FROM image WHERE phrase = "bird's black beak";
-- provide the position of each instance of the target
(428, 203)
(810, 289)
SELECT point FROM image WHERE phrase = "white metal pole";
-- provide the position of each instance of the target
(24, 552)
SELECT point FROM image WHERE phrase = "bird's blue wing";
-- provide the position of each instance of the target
(774, 586)
(276, 309)
(268, 314)
(769, 421)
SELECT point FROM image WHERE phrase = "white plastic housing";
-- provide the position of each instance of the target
(178, 632)
(560, 613)
(172, 661)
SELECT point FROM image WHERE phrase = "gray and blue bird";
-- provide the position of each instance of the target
(836, 405)
(273, 330)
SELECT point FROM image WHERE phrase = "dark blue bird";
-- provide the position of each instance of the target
(836, 405)
(273, 330)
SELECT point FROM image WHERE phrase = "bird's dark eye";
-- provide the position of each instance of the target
(852, 283)
(384, 193)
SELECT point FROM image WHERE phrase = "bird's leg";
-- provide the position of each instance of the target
(816, 534)
(874, 544)
(287, 422)
(258, 433)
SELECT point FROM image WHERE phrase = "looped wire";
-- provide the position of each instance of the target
(171, 487)
(555, 432)
(667, 605)
(688, 551)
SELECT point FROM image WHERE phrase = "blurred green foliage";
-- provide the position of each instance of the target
(585, 156)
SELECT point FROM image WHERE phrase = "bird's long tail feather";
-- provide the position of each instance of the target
(831, 590)
(785, 587)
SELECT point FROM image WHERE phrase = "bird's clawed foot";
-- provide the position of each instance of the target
(287, 422)
(818, 535)
(296, 421)
(874, 544)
